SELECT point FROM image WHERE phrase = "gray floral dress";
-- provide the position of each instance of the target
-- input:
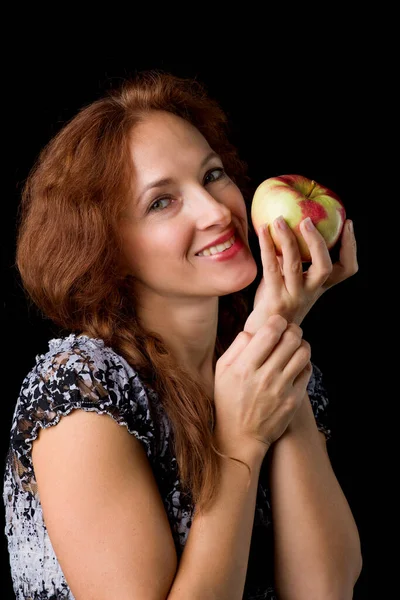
(81, 372)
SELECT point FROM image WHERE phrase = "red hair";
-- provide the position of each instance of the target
(68, 250)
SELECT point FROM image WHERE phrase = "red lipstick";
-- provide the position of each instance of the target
(220, 240)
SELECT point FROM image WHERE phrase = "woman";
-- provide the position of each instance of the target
(211, 478)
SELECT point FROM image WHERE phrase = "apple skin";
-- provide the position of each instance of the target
(296, 197)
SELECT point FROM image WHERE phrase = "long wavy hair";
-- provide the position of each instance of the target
(68, 251)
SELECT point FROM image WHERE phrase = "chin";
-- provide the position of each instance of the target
(248, 275)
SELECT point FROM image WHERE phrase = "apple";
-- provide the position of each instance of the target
(296, 197)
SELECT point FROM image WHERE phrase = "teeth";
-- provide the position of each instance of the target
(218, 248)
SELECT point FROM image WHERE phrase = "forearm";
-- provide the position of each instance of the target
(317, 545)
(214, 562)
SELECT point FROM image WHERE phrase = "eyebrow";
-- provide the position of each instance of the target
(169, 180)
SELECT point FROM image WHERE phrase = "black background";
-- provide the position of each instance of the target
(297, 110)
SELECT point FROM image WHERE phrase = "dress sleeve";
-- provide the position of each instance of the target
(319, 401)
(84, 377)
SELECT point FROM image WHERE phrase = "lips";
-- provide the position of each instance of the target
(220, 240)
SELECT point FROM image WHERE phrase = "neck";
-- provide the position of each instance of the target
(188, 328)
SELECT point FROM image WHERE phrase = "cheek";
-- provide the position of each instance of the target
(236, 203)
(154, 247)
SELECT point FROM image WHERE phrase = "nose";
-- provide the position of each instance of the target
(208, 210)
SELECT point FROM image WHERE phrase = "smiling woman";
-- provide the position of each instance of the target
(168, 440)
(199, 206)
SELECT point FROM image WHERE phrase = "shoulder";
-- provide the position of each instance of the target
(82, 368)
(82, 355)
(81, 372)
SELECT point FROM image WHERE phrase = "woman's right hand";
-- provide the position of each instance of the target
(260, 381)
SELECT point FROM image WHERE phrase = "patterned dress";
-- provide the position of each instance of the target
(81, 372)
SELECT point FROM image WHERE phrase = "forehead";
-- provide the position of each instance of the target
(165, 137)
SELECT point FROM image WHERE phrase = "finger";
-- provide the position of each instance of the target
(321, 264)
(263, 342)
(284, 350)
(271, 267)
(299, 361)
(280, 260)
(292, 266)
(347, 265)
(301, 381)
(240, 342)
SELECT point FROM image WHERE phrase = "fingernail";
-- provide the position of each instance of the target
(280, 223)
(308, 224)
(350, 226)
(262, 229)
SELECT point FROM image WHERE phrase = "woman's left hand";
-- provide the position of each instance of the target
(285, 288)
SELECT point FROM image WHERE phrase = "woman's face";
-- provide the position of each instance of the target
(181, 202)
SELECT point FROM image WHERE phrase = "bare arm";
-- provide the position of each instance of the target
(317, 545)
(110, 531)
(214, 563)
(103, 511)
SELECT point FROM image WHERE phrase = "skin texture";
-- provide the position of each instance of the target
(177, 291)
(321, 557)
(114, 532)
(286, 288)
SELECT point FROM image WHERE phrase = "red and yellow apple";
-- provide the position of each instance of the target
(296, 197)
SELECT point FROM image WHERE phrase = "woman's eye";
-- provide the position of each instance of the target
(220, 174)
(219, 170)
(157, 202)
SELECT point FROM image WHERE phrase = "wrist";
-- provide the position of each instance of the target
(251, 453)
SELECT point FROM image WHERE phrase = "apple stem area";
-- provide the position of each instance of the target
(313, 184)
